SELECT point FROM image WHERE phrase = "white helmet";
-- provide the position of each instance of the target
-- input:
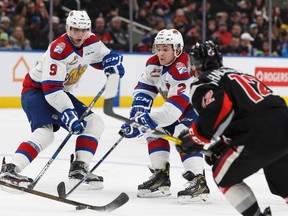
(79, 20)
(169, 36)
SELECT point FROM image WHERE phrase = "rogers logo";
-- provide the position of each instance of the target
(272, 76)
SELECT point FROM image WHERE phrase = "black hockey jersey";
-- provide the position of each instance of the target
(228, 100)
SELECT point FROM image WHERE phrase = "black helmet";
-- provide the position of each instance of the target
(205, 56)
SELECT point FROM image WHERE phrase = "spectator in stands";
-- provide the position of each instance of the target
(259, 9)
(159, 24)
(233, 48)
(261, 23)
(32, 32)
(236, 30)
(211, 28)
(145, 45)
(284, 49)
(100, 31)
(160, 9)
(4, 41)
(258, 37)
(234, 18)
(2, 13)
(57, 30)
(264, 51)
(222, 34)
(18, 40)
(43, 13)
(179, 17)
(191, 12)
(118, 34)
(246, 45)
(244, 7)
(31, 11)
(245, 22)
(6, 24)
(57, 10)
(143, 17)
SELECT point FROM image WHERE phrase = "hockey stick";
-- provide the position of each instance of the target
(116, 203)
(108, 110)
(61, 186)
(32, 184)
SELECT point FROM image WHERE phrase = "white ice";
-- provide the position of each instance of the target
(123, 170)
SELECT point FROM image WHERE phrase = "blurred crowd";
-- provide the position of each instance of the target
(240, 27)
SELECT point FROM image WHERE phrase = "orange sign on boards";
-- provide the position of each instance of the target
(272, 76)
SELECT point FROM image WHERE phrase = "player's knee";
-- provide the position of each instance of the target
(95, 126)
(43, 136)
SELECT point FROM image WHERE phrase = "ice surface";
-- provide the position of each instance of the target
(123, 170)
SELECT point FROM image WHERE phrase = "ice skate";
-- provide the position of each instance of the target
(267, 212)
(196, 189)
(9, 174)
(79, 169)
(157, 186)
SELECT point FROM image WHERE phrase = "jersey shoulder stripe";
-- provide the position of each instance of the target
(179, 68)
(61, 48)
(153, 60)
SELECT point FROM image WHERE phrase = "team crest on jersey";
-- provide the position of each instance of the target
(181, 67)
(59, 48)
(208, 99)
(74, 61)
(156, 72)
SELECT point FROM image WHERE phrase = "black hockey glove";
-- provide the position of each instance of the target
(187, 146)
(216, 149)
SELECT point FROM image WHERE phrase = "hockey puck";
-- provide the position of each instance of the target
(80, 207)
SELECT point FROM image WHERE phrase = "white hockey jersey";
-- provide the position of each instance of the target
(172, 82)
(61, 67)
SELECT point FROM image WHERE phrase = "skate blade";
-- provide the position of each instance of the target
(162, 192)
(91, 185)
(202, 198)
(14, 191)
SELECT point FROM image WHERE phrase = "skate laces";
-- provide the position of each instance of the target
(154, 175)
(191, 184)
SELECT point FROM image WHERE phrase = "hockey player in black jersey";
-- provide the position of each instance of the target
(251, 123)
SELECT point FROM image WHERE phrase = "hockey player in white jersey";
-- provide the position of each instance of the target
(49, 105)
(167, 73)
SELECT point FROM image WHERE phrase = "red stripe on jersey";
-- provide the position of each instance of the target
(179, 101)
(222, 162)
(225, 110)
(224, 189)
(28, 84)
(86, 143)
(28, 150)
(51, 87)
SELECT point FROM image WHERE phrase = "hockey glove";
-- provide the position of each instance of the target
(70, 120)
(216, 149)
(141, 104)
(112, 63)
(133, 130)
(188, 146)
(128, 131)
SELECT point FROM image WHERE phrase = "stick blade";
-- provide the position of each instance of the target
(120, 200)
(61, 189)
